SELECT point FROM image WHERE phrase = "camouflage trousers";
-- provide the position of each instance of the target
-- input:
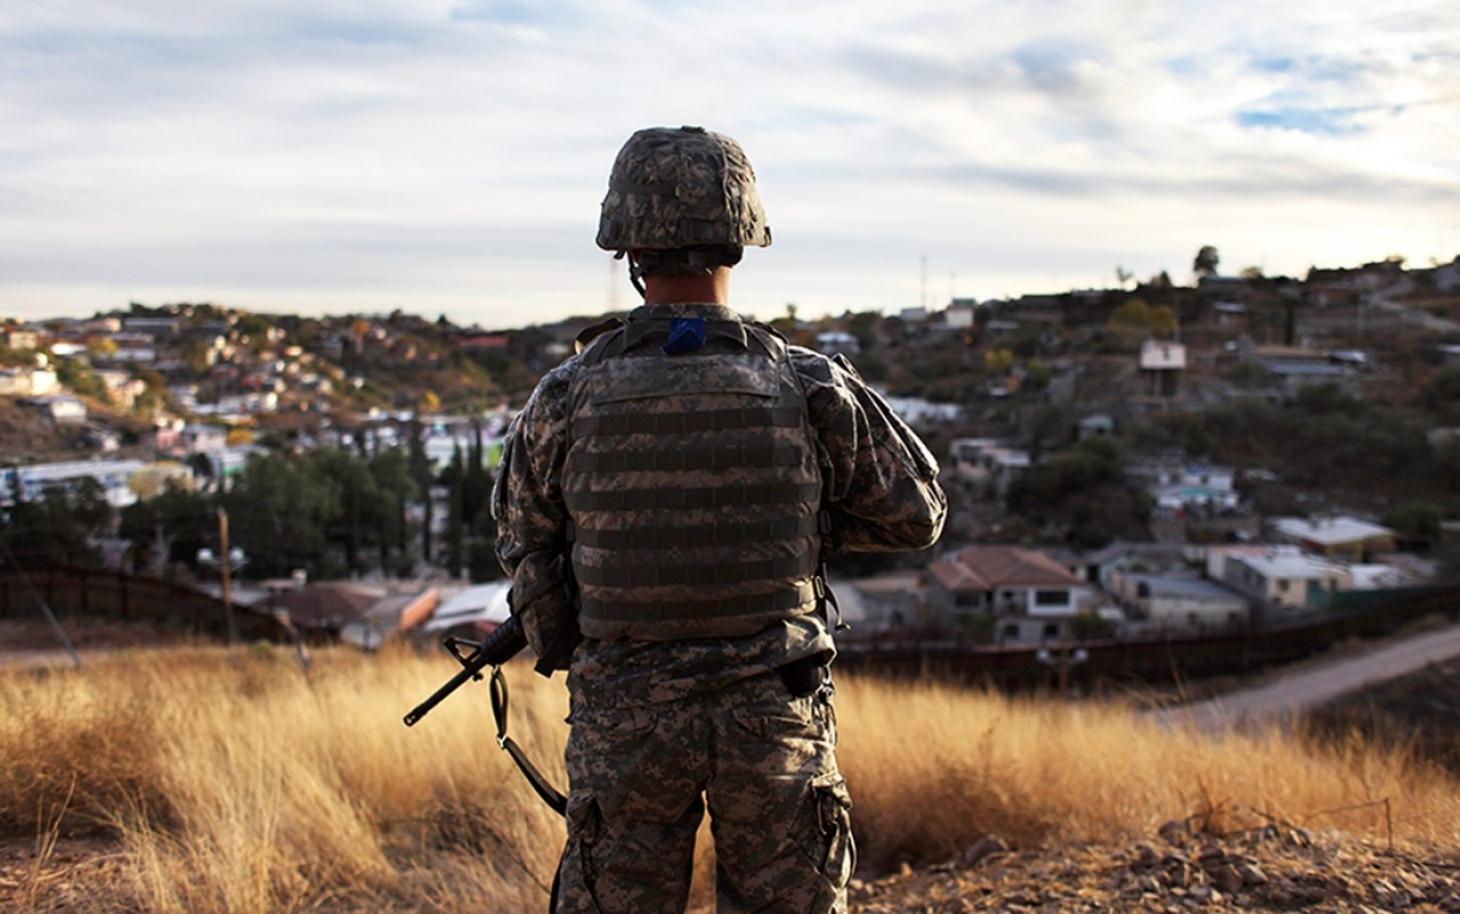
(764, 764)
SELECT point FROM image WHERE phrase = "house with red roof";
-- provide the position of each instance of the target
(1006, 594)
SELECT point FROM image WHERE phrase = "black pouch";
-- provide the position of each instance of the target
(803, 677)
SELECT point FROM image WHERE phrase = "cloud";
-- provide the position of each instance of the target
(454, 153)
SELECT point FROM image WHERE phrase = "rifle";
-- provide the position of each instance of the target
(493, 651)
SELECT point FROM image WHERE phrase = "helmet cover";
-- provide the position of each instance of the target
(681, 187)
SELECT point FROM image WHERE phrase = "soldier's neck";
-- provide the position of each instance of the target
(676, 290)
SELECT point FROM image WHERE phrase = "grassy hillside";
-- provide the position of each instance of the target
(224, 780)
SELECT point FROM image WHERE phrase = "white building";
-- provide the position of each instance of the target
(1173, 602)
(915, 410)
(989, 460)
(114, 476)
(1340, 537)
(1287, 581)
(27, 382)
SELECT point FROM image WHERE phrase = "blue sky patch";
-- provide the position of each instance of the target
(1316, 121)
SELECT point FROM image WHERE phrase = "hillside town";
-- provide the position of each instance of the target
(1147, 461)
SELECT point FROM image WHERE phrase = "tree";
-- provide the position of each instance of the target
(178, 520)
(59, 528)
(279, 510)
(997, 362)
(1442, 394)
(349, 521)
(1135, 320)
(1083, 492)
(77, 375)
(1132, 314)
(396, 488)
(1205, 262)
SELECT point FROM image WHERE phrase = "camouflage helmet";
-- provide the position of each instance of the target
(678, 188)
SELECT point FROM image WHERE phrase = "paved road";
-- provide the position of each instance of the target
(1280, 699)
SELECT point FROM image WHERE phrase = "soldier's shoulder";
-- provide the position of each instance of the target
(811, 364)
(551, 392)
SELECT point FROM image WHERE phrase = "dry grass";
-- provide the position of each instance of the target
(232, 783)
(934, 768)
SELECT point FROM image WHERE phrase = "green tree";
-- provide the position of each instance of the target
(1131, 321)
(1205, 262)
(1442, 394)
(351, 518)
(60, 527)
(997, 362)
(279, 513)
(182, 520)
(79, 377)
(1416, 519)
(1084, 493)
(396, 488)
(1251, 375)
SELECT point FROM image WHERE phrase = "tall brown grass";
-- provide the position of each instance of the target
(232, 782)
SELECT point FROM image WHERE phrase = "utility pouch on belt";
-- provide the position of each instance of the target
(803, 677)
(545, 600)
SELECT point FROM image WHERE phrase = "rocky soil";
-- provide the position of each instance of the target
(1275, 868)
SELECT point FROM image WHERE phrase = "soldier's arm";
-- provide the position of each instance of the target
(527, 498)
(881, 482)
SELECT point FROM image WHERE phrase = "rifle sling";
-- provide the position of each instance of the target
(549, 794)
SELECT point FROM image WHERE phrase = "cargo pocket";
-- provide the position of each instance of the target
(577, 876)
(835, 851)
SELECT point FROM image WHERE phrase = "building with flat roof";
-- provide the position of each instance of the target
(1287, 581)
(1339, 538)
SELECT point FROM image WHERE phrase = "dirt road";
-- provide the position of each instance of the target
(1281, 698)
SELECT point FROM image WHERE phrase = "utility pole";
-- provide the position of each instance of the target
(224, 570)
(1062, 659)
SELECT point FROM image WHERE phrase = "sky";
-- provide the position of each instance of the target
(449, 156)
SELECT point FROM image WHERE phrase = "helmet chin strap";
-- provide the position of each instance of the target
(635, 277)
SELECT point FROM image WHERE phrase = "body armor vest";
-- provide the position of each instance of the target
(693, 485)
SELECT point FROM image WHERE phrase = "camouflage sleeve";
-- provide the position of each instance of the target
(881, 482)
(527, 498)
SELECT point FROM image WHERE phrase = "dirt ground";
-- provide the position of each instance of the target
(36, 643)
(1277, 868)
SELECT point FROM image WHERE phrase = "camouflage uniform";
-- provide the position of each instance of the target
(662, 727)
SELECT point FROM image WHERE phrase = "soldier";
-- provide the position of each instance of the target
(664, 505)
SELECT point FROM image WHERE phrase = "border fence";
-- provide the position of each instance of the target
(1154, 661)
(94, 593)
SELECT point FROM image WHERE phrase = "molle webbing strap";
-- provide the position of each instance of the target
(690, 499)
(641, 331)
(711, 420)
(704, 536)
(725, 457)
(785, 601)
(654, 573)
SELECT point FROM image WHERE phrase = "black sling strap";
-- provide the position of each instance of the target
(549, 794)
